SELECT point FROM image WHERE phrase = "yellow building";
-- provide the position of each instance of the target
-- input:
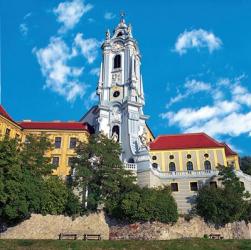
(189, 152)
(63, 135)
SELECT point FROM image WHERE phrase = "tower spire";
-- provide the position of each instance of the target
(122, 16)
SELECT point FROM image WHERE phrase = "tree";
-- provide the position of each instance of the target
(98, 171)
(224, 204)
(146, 204)
(26, 184)
(245, 163)
(13, 202)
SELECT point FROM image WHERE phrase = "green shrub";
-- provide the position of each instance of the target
(146, 204)
(223, 205)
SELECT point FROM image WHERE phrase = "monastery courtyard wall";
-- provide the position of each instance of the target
(50, 226)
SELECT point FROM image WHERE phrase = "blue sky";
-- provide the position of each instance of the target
(196, 62)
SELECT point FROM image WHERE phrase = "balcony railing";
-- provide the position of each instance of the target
(180, 174)
(131, 166)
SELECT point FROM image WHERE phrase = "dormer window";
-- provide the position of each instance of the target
(117, 62)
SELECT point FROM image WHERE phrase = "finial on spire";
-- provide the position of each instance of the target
(122, 15)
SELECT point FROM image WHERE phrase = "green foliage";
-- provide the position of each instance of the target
(100, 175)
(224, 204)
(99, 170)
(53, 196)
(145, 205)
(26, 184)
(245, 164)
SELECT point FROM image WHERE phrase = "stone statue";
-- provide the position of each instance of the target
(107, 35)
(143, 139)
(129, 30)
(115, 137)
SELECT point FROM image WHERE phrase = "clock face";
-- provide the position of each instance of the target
(116, 93)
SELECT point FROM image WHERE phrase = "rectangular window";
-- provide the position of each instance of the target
(73, 142)
(174, 187)
(17, 136)
(213, 184)
(194, 186)
(55, 161)
(7, 132)
(71, 161)
(242, 184)
(57, 143)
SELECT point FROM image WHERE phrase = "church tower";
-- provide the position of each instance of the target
(119, 113)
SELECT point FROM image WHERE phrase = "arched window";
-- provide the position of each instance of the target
(189, 166)
(172, 166)
(207, 165)
(131, 160)
(117, 62)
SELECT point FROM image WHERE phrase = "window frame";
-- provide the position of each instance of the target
(173, 165)
(7, 131)
(206, 166)
(190, 165)
(58, 160)
(191, 186)
(70, 142)
(55, 142)
(117, 61)
(175, 184)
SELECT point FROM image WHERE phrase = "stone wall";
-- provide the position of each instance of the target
(196, 227)
(50, 226)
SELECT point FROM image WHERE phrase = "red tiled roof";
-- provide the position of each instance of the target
(184, 141)
(228, 150)
(55, 125)
(4, 113)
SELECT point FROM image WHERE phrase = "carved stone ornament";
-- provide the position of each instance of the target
(116, 47)
(116, 114)
(115, 137)
(116, 77)
(143, 140)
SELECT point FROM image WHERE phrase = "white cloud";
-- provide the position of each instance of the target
(192, 86)
(233, 124)
(89, 47)
(186, 117)
(95, 71)
(23, 29)
(93, 98)
(60, 77)
(223, 82)
(195, 86)
(241, 95)
(197, 39)
(69, 13)
(228, 115)
(109, 15)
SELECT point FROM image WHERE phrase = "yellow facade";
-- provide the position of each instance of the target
(8, 125)
(64, 152)
(233, 160)
(180, 157)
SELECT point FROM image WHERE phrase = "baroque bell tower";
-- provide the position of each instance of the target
(119, 113)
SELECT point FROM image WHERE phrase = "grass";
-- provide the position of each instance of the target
(181, 244)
